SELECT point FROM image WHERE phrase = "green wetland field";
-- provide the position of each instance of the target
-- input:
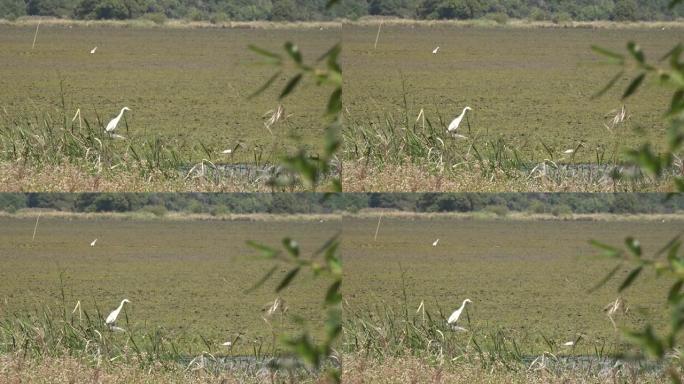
(186, 279)
(528, 280)
(188, 86)
(530, 89)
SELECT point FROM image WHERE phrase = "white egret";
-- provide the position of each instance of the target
(227, 151)
(569, 151)
(434, 51)
(569, 344)
(227, 343)
(93, 50)
(453, 126)
(93, 243)
(111, 319)
(112, 124)
(457, 313)
(434, 244)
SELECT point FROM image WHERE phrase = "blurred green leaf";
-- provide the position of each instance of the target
(674, 295)
(327, 244)
(332, 52)
(636, 52)
(275, 58)
(608, 251)
(677, 104)
(679, 184)
(305, 349)
(333, 296)
(610, 54)
(630, 278)
(266, 85)
(648, 341)
(334, 323)
(634, 246)
(291, 246)
(671, 52)
(609, 85)
(294, 52)
(335, 102)
(265, 251)
(263, 279)
(606, 278)
(668, 247)
(287, 279)
(634, 85)
(290, 86)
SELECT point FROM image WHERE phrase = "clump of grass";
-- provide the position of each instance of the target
(385, 334)
(43, 142)
(82, 337)
(47, 139)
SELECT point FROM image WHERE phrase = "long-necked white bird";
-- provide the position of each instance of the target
(92, 244)
(453, 126)
(111, 319)
(457, 313)
(113, 123)
(434, 244)
(93, 50)
(434, 51)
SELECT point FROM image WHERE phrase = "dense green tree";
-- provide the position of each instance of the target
(11, 9)
(58, 8)
(10, 202)
(110, 9)
(625, 10)
(401, 8)
(284, 10)
(110, 202)
(222, 10)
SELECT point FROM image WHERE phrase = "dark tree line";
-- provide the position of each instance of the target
(292, 10)
(216, 204)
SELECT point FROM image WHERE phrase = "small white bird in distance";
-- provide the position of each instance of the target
(230, 151)
(453, 126)
(569, 343)
(569, 151)
(227, 343)
(111, 126)
(93, 243)
(434, 244)
(93, 50)
(457, 313)
(111, 319)
(434, 51)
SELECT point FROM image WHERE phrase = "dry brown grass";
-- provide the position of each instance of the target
(16, 177)
(359, 177)
(15, 369)
(356, 369)
(359, 369)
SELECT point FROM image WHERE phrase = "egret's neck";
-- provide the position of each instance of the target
(122, 302)
(118, 117)
(463, 305)
(464, 111)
